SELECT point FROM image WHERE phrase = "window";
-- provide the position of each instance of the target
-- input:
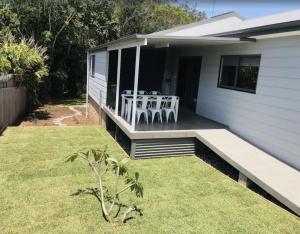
(239, 72)
(92, 65)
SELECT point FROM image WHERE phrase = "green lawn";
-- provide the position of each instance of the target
(182, 195)
(71, 102)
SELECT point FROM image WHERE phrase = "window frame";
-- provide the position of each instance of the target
(92, 65)
(237, 72)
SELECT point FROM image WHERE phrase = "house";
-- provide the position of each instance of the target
(238, 83)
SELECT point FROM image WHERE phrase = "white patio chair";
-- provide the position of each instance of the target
(142, 109)
(129, 92)
(170, 108)
(142, 92)
(154, 93)
(126, 111)
(139, 96)
(156, 108)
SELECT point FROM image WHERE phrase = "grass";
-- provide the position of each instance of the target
(182, 195)
(71, 102)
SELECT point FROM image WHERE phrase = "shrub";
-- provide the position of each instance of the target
(26, 60)
(110, 170)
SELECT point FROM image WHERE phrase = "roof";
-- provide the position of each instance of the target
(273, 19)
(276, 23)
(212, 31)
(231, 24)
(200, 25)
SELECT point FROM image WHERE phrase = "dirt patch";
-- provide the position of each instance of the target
(46, 116)
(92, 118)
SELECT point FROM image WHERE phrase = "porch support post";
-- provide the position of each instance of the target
(87, 83)
(136, 83)
(243, 180)
(118, 82)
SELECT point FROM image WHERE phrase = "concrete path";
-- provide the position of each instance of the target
(274, 176)
(59, 121)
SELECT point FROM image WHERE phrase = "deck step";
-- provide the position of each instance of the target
(277, 178)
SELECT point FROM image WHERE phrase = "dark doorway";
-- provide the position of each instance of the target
(188, 81)
(151, 72)
(112, 78)
(152, 67)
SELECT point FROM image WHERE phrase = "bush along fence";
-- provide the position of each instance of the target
(12, 101)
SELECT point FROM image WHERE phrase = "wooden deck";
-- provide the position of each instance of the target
(274, 176)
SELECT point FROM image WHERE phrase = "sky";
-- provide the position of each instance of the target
(246, 8)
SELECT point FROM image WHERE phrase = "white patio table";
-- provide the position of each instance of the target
(127, 98)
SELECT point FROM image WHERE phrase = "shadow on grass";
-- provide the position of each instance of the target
(69, 102)
(40, 115)
(2, 129)
(95, 192)
(211, 158)
(35, 116)
(255, 188)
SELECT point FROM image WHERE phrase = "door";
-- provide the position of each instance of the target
(188, 81)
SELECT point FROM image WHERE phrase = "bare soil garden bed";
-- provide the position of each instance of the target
(46, 116)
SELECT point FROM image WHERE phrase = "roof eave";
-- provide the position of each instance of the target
(114, 42)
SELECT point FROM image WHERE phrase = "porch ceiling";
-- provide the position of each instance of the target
(163, 41)
(191, 41)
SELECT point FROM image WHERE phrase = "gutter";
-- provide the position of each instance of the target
(262, 30)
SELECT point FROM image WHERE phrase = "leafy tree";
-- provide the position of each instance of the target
(147, 16)
(112, 171)
(26, 61)
(68, 27)
(9, 23)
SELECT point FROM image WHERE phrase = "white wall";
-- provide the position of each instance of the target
(98, 83)
(270, 118)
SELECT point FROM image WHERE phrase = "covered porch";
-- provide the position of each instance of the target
(143, 74)
(146, 79)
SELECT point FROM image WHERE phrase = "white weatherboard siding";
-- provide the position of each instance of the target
(270, 118)
(98, 83)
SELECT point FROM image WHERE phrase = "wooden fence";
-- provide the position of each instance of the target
(12, 105)
(7, 81)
